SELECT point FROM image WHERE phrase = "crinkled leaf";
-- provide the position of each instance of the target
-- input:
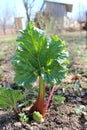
(9, 97)
(38, 54)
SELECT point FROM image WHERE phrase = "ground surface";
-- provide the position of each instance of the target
(74, 89)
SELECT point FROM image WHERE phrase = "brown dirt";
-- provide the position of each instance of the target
(59, 117)
(64, 119)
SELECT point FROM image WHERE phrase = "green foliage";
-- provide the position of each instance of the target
(75, 87)
(58, 100)
(84, 86)
(23, 117)
(37, 116)
(9, 97)
(80, 110)
(39, 55)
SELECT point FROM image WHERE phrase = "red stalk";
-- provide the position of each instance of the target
(15, 110)
(39, 104)
(49, 98)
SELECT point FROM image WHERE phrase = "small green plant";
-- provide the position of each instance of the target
(23, 117)
(58, 99)
(37, 117)
(76, 87)
(39, 56)
(9, 98)
(84, 86)
(80, 110)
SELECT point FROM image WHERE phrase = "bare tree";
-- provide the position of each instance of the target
(28, 4)
(5, 19)
(42, 18)
(3, 24)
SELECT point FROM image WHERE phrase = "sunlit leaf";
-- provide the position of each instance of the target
(39, 55)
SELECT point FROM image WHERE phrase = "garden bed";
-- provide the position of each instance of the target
(74, 89)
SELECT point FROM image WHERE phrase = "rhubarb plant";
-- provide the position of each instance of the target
(39, 56)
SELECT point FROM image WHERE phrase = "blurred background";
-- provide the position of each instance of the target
(55, 16)
(64, 18)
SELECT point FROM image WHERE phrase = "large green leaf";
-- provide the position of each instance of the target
(38, 54)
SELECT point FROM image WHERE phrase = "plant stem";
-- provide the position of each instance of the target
(15, 110)
(39, 104)
(49, 98)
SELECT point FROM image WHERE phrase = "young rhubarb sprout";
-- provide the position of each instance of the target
(38, 117)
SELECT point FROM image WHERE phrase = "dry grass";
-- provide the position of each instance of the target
(8, 38)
